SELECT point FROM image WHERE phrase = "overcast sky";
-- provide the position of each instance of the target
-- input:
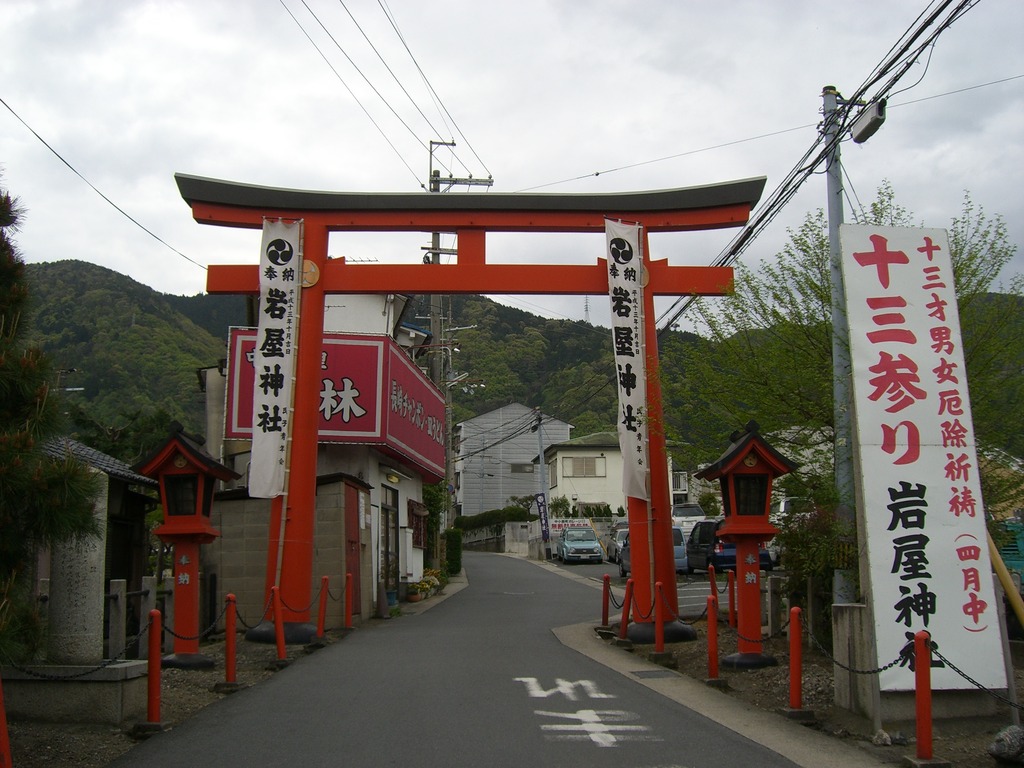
(540, 95)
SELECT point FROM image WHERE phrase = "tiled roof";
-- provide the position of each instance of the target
(60, 446)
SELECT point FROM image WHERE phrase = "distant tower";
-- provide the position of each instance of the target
(586, 309)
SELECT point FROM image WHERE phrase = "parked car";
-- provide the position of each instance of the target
(579, 545)
(686, 515)
(704, 548)
(678, 551)
(614, 543)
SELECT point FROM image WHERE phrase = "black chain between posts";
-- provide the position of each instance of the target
(102, 665)
(266, 612)
(971, 680)
(308, 607)
(617, 605)
(202, 634)
(828, 655)
(903, 657)
(673, 615)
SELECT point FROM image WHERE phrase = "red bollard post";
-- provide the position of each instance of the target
(659, 618)
(275, 594)
(6, 761)
(796, 660)
(348, 601)
(230, 640)
(627, 604)
(324, 589)
(606, 591)
(156, 635)
(712, 584)
(712, 638)
(923, 693)
(730, 580)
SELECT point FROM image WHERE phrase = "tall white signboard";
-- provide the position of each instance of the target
(919, 488)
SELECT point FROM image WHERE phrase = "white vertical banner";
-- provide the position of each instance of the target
(274, 355)
(920, 492)
(625, 290)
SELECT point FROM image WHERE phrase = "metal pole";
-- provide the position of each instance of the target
(542, 491)
(842, 583)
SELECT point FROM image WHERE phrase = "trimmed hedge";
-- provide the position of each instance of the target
(453, 551)
(494, 518)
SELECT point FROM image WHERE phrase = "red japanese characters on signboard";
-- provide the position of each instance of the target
(370, 392)
(920, 491)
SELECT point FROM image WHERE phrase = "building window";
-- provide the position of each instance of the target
(418, 523)
(552, 474)
(583, 466)
(522, 469)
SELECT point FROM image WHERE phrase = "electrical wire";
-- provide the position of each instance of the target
(893, 67)
(442, 109)
(350, 92)
(93, 187)
(359, 71)
(387, 67)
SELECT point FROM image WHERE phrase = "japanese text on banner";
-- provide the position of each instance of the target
(274, 359)
(625, 290)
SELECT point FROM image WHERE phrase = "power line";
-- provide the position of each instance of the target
(442, 109)
(386, 66)
(894, 66)
(92, 186)
(347, 88)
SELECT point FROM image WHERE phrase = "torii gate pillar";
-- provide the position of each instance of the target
(470, 217)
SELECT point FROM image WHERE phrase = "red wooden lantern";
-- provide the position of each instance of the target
(746, 472)
(187, 477)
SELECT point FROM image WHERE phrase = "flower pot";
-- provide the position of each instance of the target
(414, 597)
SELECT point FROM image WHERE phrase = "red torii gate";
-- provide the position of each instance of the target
(470, 217)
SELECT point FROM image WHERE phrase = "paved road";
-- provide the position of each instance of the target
(486, 677)
(692, 589)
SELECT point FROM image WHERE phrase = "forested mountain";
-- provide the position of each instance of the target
(136, 350)
(125, 348)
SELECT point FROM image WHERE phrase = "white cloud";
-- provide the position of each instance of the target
(130, 93)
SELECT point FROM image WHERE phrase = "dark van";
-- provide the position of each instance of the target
(705, 548)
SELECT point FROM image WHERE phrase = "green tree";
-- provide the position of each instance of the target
(43, 500)
(765, 354)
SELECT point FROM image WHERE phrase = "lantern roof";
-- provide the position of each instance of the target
(179, 442)
(742, 443)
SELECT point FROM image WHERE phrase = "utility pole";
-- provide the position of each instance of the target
(437, 371)
(842, 369)
(434, 256)
(542, 486)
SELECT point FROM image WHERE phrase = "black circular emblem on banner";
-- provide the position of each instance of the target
(280, 252)
(620, 250)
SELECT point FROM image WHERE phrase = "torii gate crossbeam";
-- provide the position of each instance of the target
(470, 217)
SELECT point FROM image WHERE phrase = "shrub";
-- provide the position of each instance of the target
(453, 551)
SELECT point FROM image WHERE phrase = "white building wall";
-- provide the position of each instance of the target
(496, 453)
